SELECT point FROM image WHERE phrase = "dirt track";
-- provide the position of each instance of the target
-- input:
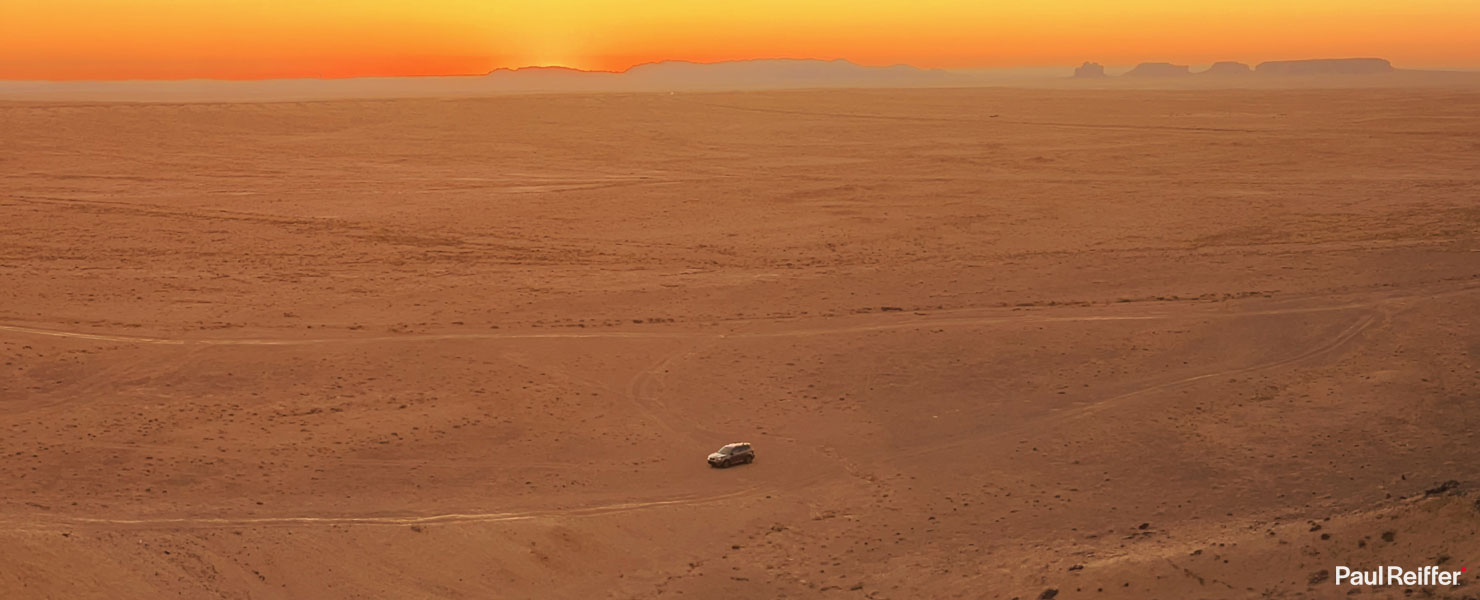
(479, 348)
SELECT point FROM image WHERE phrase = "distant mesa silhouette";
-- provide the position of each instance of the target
(1325, 66)
(736, 74)
(1089, 70)
(758, 74)
(1158, 69)
(1228, 67)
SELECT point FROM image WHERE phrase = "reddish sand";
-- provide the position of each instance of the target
(987, 343)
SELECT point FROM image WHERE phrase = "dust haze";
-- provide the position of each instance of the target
(1080, 341)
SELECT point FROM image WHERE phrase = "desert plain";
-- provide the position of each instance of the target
(988, 343)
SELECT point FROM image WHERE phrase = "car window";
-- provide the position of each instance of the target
(742, 448)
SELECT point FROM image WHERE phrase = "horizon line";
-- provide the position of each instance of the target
(551, 67)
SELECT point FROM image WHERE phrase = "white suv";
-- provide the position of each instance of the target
(732, 454)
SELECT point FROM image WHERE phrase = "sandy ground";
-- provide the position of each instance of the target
(987, 343)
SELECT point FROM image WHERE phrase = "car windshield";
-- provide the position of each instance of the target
(726, 450)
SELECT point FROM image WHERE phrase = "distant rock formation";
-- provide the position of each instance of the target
(779, 73)
(1227, 67)
(1089, 70)
(1325, 66)
(1159, 69)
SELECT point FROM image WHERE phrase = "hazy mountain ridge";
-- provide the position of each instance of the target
(677, 75)
(739, 75)
(666, 76)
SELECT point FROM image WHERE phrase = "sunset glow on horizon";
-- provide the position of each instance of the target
(241, 39)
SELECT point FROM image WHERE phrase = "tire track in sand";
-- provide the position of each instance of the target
(20, 522)
(1329, 345)
(1333, 343)
(906, 322)
(642, 382)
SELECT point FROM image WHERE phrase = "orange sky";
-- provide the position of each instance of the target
(251, 39)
